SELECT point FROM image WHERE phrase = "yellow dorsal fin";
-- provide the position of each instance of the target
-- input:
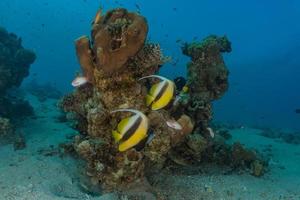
(149, 100)
(154, 89)
(116, 135)
(122, 126)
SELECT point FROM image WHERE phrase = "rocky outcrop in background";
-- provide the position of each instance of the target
(15, 62)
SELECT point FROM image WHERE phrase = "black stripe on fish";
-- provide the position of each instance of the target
(139, 146)
(161, 92)
(132, 129)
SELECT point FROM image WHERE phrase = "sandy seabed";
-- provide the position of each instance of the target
(30, 174)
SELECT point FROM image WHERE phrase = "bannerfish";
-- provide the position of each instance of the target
(131, 130)
(174, 124)
(79, 81)
(161, 93)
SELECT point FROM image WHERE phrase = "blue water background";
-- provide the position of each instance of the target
(265, 36)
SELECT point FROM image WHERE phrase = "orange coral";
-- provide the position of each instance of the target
(84, 55)
(118, 36)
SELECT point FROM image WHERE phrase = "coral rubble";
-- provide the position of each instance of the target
(113, 61)
(6, 129)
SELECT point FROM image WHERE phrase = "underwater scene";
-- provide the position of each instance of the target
(149, 100)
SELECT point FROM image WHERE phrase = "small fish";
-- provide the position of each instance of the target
(181, 95)
(79, 81)
(174, 124)
(138, 7)
(185, 89)
(177, 99)
(161, 93)
(297, 111)
(180, 82)
(97, 17)
(131, 130)
(211, 132)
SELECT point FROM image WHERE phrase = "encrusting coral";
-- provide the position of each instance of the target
(113, 61)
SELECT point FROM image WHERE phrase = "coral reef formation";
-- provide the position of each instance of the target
(14, 67)
(118, 36)
(207, 76)
(14, 61)
(113, 62)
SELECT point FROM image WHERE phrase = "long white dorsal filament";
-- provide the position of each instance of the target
(127, 110)
(154, 76)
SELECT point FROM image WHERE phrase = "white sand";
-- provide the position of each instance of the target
(282, 182)
(26, 174)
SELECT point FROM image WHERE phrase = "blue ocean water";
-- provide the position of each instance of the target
(263, 96)
(264, 64)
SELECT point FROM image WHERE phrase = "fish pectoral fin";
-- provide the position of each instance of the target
(116, 135)
(149, 100)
